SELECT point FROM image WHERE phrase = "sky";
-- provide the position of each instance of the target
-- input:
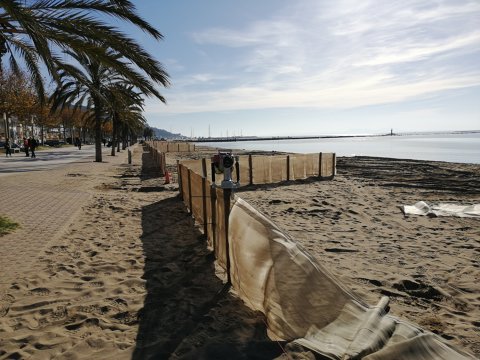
(282, 67)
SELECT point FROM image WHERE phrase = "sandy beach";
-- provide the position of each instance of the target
(130, 276)
(428, 266)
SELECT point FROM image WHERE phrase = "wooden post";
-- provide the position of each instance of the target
(190, 191)
(213, 202)
(163, 166)
(204, 203)
(334, 164)
(227, 193)
(180, 182)
(288, 167)
(204, 167)
(320, 161)
(178, 147)
(250, 169)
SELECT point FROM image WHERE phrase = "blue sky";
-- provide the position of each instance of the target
(315, 67)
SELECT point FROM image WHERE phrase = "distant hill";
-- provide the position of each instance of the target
(161, 133)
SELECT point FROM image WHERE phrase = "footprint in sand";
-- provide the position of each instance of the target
(87, 322)
(118, 303)
(39, 292)
(5, 301)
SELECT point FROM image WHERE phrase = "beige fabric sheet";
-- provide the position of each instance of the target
(273, 169)
(220, 236)
(197, 197)
(328, 166)
(244, 170)
(185, 189)
(279, 168)
(210, 216)
(311, 165)
(297, 163)
(303, 302)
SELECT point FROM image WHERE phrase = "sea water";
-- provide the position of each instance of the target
(462, 148)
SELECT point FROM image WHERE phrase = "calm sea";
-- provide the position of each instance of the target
(463, 148)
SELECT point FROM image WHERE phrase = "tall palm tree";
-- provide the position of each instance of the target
(91, 84)
(39, 30)
(125, 108)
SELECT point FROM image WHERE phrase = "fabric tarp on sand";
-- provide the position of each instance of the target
(304, 303)
(422, 208)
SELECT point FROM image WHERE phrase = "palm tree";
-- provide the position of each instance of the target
(69, 26)
(32, 29)
(91, 85)
(125, 108)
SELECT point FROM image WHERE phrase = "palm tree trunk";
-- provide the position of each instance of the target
(118, 136)
(98, 130)
(114, 133)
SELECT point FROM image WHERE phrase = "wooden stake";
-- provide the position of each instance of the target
(250, 169)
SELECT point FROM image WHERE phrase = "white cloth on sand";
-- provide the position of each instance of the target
(422, 208)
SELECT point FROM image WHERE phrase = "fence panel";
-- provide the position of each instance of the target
(298, 166)
(244, 170)
(327, 165)
(185, 190)
(262, 169)
(194, 165)
(210, 216)
(311, 165)
(279, 168)
(220, 230)
(197, 197)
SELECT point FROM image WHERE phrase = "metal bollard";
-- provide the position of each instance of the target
(129, 156)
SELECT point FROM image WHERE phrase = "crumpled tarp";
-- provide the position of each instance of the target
(422, 208)
(302, 302)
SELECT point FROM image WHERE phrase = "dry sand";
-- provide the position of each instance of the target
(429, 267)
(132, 279)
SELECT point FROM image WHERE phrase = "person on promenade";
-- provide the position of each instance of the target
(8, 150)
(33, 145)
(26, 146)
(78, 143)
(104, 141)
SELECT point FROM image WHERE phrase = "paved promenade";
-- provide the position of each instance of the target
(44, 203)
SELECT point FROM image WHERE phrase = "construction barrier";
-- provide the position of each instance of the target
(271, 273)
(171, 146)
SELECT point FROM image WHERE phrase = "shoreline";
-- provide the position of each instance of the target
(274, 138)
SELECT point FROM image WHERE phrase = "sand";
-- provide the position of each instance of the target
(429, 267)
(131, 277)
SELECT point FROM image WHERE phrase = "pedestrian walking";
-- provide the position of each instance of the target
(78, 142)
(33, 145)
(26, 146)
(8, 150)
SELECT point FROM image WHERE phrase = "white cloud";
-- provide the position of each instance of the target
(413, 51)
(338, 55)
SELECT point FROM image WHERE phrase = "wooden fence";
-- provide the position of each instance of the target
(210, 205)
(171, 146)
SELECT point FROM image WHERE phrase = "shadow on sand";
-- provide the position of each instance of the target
(188, 313)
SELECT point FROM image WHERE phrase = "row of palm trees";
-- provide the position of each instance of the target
(91, 62)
